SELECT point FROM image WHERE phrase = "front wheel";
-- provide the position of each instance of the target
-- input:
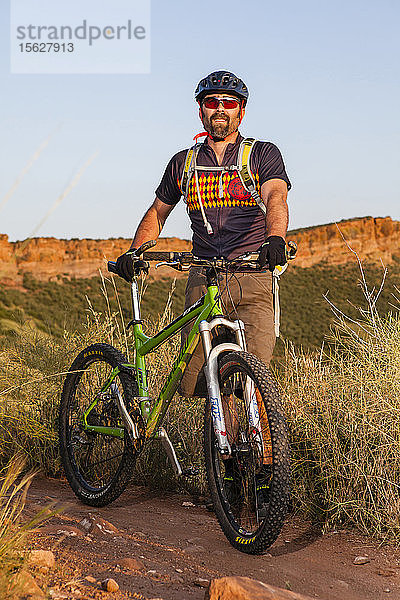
(98, 465)
(250, 488)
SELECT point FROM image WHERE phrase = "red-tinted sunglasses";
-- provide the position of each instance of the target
(213, 102)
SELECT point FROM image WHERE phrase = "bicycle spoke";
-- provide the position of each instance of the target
(239, 481)
(97, 458)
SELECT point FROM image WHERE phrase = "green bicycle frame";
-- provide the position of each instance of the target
(207, 306)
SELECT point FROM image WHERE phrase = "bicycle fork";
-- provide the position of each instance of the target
(213, 387)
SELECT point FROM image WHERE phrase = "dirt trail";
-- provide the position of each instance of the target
(180, 544)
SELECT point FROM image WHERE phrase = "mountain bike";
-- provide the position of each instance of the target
(107, 414)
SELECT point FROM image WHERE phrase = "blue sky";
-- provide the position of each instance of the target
(324, 86)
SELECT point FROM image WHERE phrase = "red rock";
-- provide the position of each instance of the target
(244, 588)
(200, 582)
(387, 572)
(46, 258)
(361, 560)
(42, 558)
(131, 564)
(98, 526)
(24, 586)
(110, 585)
(62, 530)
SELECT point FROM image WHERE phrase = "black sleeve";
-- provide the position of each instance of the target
(169, 190)
(267, 161)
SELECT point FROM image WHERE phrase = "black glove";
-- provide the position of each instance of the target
(124, 265)
(128, 265)
(272, 252)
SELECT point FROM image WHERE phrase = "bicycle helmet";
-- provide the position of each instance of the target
(222, 81)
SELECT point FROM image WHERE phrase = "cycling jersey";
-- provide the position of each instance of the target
(238, 225)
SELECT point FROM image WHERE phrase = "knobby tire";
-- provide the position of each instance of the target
(98, 467)
(236, 508)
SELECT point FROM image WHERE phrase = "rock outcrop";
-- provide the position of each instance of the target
(374, 239)
(244, 588)
(50, 258)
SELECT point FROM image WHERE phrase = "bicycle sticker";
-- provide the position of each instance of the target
(220, 432)
(93, 352)
(216, 413)
(142, 379)
(244, 540)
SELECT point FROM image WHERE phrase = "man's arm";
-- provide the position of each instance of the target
(274, 195)
(152, 223)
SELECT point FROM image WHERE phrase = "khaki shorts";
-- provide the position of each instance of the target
(251, 294)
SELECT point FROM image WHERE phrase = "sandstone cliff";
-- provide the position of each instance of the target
(49, 258)
(373, 239)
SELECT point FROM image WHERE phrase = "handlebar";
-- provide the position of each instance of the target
(181, 261)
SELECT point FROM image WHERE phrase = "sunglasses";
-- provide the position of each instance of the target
(213, 102)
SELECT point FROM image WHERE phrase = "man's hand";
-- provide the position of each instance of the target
(272, 252)
(128, 265)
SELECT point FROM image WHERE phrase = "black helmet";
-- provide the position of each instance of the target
(222, 81)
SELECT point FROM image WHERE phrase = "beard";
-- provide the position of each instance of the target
(219, 131)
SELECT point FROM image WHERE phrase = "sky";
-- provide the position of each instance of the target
(324, 87)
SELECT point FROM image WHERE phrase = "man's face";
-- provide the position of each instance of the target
(220, 122)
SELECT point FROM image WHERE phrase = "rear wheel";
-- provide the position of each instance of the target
(98, 466)
(250, 489)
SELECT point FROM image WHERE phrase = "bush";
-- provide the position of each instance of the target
(343, 407)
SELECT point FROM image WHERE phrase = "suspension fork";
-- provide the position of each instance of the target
(211, 372)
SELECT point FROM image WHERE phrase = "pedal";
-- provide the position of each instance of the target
(190, 472)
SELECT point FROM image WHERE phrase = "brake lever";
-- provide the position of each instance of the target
(165, 264)
(174, 265)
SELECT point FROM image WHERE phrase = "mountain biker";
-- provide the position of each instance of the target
(231, 211)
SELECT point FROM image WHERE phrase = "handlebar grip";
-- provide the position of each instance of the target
(111, 267)
(291, 252)
(160, 256)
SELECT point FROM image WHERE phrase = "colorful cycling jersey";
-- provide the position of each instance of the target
(237, 222)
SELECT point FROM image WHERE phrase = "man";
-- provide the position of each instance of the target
(234, 208)
(226, 218)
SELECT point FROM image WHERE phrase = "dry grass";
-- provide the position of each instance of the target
(343, 407)
(342, 403)
(14, 529)
(32, 369)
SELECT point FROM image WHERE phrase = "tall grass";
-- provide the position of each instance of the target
(343, 407)
(342, 403)
(32, 369)
(14, 527)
